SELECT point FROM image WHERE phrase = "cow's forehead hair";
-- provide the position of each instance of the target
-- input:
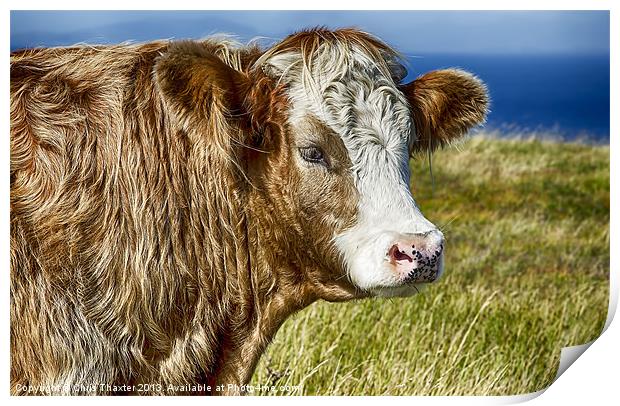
(350, 88)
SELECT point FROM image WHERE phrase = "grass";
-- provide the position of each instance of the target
(527, 273)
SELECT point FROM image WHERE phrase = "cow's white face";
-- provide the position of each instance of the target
(360, 102)
(391, 249)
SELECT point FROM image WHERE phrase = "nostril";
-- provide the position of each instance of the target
(397, 255)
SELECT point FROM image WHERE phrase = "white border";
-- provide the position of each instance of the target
(593, 378)
(315, 5)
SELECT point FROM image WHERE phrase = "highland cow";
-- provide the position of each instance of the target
(172, 203)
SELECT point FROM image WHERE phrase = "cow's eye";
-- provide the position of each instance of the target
(313, 154)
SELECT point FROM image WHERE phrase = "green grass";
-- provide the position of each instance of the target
(527, 273)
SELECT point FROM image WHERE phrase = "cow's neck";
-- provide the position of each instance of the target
(267, 293)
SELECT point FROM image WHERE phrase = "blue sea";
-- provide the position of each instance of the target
(560, 96)
(565, 96)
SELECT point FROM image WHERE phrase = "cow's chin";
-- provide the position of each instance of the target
(383, 283)
(399, 291)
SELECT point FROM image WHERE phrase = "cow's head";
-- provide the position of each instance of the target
(338, 129)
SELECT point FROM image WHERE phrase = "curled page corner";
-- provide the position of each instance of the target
(569, 355)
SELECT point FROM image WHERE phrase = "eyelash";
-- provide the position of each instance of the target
(313, 155)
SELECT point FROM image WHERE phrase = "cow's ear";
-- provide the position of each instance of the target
(198, 85)
(445, 104)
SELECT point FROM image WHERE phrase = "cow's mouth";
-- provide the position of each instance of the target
(420, 276)
(395, 263)
(426, 271)
(412, 276)
(415, 264)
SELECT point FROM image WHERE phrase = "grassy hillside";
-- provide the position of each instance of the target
(527, 270)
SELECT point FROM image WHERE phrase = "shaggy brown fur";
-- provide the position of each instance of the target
(445, 105)
(160, 232)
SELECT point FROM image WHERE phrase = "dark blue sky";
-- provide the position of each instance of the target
(412, 32)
